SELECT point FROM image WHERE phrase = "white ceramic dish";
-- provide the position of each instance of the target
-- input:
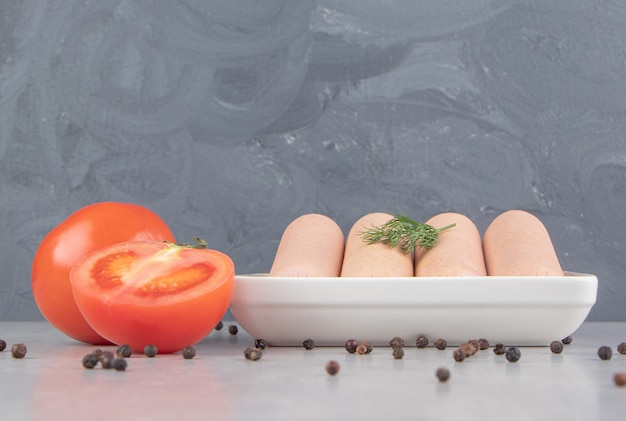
(522, 311)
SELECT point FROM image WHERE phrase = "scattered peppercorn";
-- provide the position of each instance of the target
(253, 354)
(441, 344)
(567, 340)
(396, 342)
(421, 342)
(368, 346)
(219, 325)
(90, 360)
(260, 343)
(332, 367)
(483, 344)
(351, 345)
(443, 374)
(18, 350)
(474, 343)
(308, 344)
(97, 352)
(150, 351)
(458, 355)
(3, 345)
(120, 364)
(361, 349)
(398, 353)
(124, 351)
(233, 329)
(189, 352)
(513, 354)
(556, 347)
(605, 352)
(106, 359)
(468, 348)
(621, 348)
(620, 378)
(499, 349)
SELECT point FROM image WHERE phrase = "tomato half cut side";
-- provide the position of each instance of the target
(146, 292)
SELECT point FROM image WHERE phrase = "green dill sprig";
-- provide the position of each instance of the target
(404, 232)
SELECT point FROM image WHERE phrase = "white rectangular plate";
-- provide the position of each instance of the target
(521, 311)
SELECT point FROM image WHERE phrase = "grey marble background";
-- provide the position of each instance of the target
(231, 118)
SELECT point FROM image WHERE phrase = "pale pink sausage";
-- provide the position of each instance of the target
(311, 246)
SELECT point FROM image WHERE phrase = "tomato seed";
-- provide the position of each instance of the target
(18, 350)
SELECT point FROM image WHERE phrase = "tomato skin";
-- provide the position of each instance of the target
(143, 292)
(86, 230)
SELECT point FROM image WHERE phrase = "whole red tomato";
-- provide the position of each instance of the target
(88, 229)
(153, 293)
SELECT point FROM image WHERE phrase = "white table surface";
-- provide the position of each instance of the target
(291, 383)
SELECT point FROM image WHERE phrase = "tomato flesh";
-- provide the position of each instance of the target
(86, 230)
(145, 292)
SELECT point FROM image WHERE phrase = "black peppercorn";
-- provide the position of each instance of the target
(483, 344)
(150, 351)
(189, 352)
(468, 348)
(567, 340)
(3, 345)
(106, 359)
(441, 344)
(499, 349)
(260, 343)
(421, 342)
(351, 345)
(621, 348)
(513, 354)
(361, 349)
(620, 379)
(252, 354)
(556, 347)
(97, 352)
(233, 329)
(308, 344)
(396, 342)
(605, 352)
(443, 374)
(332, 367)
(18, 350)
(124, 351)
(398, 353)
(458, 355)
(219, 325)
(120, 364)
(90, 360)
(368, 346)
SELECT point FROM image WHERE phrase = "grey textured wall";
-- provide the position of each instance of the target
(231, 118)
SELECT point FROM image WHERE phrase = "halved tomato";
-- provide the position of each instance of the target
(146, 292)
